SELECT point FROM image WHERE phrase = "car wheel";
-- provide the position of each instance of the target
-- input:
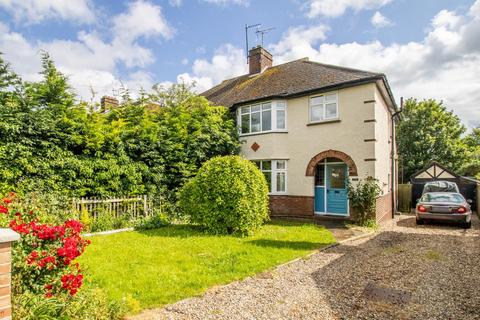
(419, 221)
(467, 225)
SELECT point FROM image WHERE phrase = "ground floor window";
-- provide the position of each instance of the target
(275, 172)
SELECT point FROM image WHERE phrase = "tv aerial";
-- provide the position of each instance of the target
(259, 32)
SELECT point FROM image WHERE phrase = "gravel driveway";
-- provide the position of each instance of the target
(402, 272)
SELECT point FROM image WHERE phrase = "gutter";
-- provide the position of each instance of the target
(392, 156)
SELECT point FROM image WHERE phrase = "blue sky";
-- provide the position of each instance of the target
(427, 48)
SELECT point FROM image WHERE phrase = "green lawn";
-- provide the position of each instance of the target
(165, 265)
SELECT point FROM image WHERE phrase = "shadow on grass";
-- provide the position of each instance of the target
(281, 244)
(191, 230)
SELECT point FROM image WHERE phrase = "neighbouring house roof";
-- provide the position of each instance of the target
(296, 78)
(436, 171)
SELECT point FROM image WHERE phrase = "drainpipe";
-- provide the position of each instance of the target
(392, 156)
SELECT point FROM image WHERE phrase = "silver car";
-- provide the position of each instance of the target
(444, 206)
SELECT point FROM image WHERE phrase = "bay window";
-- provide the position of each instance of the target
(324, 107)
(262, 117)
(275, 172)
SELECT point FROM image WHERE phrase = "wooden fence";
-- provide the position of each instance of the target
(405, 198)
(134, 206)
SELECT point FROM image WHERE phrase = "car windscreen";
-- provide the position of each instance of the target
(440, 186)
(442, 197)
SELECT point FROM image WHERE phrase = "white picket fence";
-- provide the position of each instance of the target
(133, 206)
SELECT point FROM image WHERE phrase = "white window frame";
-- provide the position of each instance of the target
(274, 107)
(273, 174)
(335, 93)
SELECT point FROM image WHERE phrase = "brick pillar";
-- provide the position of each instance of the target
(7, 237)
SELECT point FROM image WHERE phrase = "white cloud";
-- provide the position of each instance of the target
(336, 8)
(446, 19)
(378, 20)
(143, 19)
(228, 61)
(243, 3)
(444, 65)
(298, 41)
(89, 60)
(35, 11)
(184, 61)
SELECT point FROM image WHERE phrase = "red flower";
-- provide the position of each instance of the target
(32, 257)
(7, 201)
(72, 283)
(74, 225)
(45, 232)
(3, 209)
(22, 228)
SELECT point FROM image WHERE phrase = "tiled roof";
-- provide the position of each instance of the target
(288, 79)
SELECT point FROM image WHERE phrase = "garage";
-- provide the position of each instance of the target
(435, 172)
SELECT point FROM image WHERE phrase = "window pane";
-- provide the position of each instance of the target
(268, 177)
(331, 98)
(281, 119)
(266, 165)
(316, 100)
(280, 105)
(258, 164)
(266, 120)
(280, 182)
(281, 164)
(320, 175)
(245, 123)
(316, 113)
(331, 110)
(266, 106)
(255, 122)
(245, 110)
(337, 178)
(256, 108)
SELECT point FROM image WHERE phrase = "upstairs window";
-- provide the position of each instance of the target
(262, 117)
(324, 107)
(275, 172)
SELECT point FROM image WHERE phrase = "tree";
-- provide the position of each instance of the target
(426, 132)
(472, 166)
(150, 145)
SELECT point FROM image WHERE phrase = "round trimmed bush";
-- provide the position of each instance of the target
(228, 195)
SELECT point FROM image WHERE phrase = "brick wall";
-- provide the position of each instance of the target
(258, 60)
(7, 237)
(384, 208)
(291, 206)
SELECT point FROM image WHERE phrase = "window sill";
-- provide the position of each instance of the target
(277, 193)
(260, 133)
(323, 122)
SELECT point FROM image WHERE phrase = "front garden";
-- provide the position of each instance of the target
(160, 266)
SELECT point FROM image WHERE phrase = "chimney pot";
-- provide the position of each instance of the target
(259, 59)
(107, 102)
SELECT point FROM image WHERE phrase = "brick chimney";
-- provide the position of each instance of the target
(108, 103)
(259, 59)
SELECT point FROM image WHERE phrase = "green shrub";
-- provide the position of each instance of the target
(104, 221)
(363, 198)
(154, 221)
(85, 219)
(228, 195)
(86, 305)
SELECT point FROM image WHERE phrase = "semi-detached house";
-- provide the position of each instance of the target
(311, 127)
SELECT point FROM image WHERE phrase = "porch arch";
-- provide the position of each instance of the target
(352, 168)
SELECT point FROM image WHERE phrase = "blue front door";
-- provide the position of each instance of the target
(336, 185)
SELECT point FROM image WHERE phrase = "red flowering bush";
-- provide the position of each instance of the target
(42, 258)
